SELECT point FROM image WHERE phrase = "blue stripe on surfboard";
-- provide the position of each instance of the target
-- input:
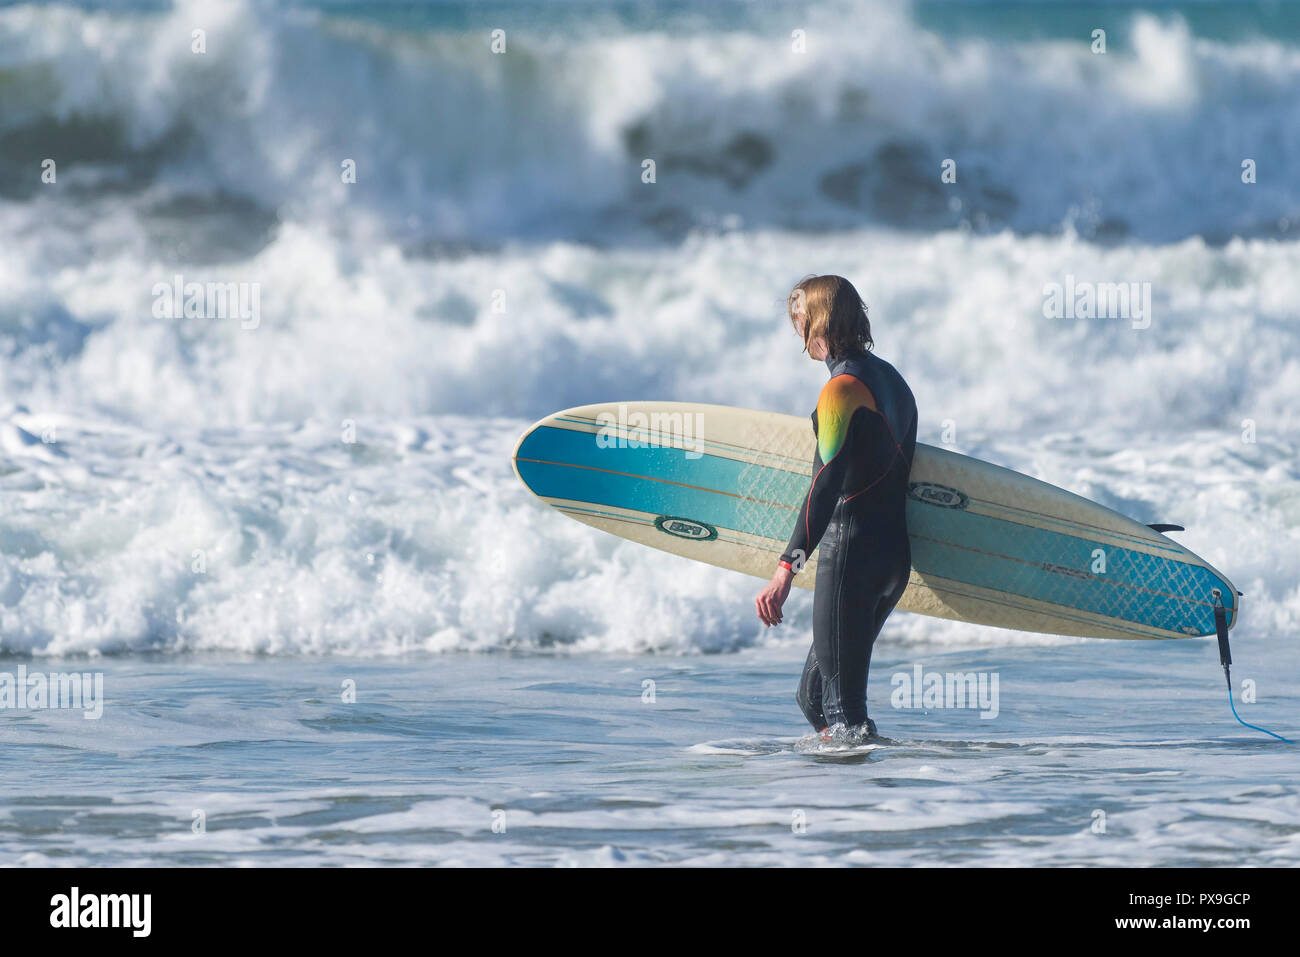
(1134, 586)
(691, 488)
(1137, 586)
(1078, 528)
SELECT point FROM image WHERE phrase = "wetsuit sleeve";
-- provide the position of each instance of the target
(842, 397)
(815, 514)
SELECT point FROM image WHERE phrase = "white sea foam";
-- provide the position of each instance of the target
(418, 535)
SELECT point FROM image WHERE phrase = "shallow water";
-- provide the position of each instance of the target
(587, 772)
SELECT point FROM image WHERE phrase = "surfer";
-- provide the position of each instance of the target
(865, 424)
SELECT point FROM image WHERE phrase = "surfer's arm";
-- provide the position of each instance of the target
(810, 524)
(842, 397)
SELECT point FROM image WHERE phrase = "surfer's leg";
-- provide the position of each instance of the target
(863, 584)
(890, 570)
(859, 630)
(829, 618)
(809, 694)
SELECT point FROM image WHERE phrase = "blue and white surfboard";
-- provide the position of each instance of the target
(723, 485)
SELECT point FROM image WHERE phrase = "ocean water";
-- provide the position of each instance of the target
(1098, 756)
(230, 517)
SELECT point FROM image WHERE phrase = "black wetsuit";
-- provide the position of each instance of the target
(865, 424)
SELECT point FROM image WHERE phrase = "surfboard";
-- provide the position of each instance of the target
(723, 485)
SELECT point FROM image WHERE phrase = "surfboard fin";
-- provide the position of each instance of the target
(1159, 527)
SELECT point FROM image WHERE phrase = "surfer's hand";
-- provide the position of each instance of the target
(772, 597)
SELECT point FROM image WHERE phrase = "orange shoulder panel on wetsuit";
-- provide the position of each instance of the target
(840, 398)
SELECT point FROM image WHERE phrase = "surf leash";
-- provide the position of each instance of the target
(1225, 659)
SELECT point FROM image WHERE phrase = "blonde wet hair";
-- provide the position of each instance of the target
(834, 311)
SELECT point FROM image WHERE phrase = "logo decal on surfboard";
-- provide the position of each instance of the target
(931, 493)
(685, 528)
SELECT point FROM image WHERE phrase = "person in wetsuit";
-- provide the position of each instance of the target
(865, 424)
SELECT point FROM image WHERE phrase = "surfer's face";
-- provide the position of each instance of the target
(816, 345)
